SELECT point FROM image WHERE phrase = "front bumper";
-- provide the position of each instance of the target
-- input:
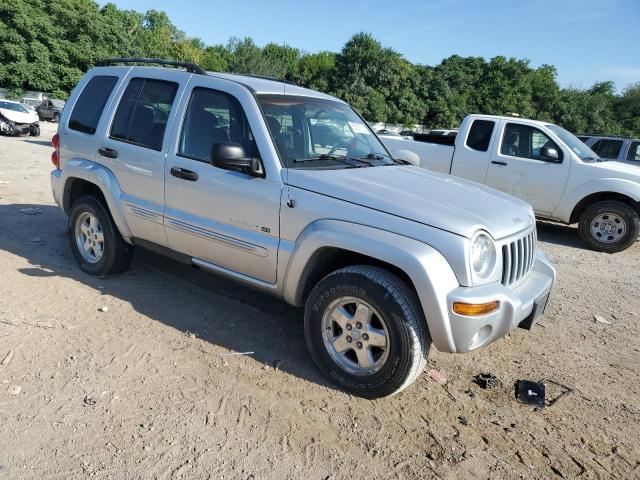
(516, 307)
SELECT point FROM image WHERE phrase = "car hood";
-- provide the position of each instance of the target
(19, 117)
(438, 200)
(617, 169)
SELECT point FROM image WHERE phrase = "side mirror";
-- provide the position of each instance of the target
(407, 156)
(231, 156)
(550, 153)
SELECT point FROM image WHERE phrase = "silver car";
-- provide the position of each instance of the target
(225, 173)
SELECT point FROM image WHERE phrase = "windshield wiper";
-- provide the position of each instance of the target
(337, 158)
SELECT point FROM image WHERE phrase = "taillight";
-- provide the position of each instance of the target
(55, 156)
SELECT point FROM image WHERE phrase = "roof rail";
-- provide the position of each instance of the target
(191, 67)
(273, 79)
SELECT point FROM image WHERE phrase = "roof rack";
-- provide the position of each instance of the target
(273, 79)
(191, 67)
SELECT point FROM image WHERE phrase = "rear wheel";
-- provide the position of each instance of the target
(366, 331)
(609, 226)
(56, 117)
(94, 239)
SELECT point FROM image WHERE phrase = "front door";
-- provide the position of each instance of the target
(226, 218)
(518, 168)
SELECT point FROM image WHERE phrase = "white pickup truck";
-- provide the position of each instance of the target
(543, 164)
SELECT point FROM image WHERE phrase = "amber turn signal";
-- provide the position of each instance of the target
(475, 309)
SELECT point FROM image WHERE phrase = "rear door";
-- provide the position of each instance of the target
(133, 145)
(231, 220)
(471, 157)
(518, 168)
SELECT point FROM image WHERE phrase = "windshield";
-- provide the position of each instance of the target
(317, 133)
(16, 107)
(576, 145)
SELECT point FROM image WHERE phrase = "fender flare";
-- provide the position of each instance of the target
(430, 273)
(105, 180)
(618, 186)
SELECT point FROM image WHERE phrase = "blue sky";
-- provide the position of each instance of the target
(587, 40)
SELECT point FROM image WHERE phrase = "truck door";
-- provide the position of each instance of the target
(521, 166)
(471, 157)
(228, 219)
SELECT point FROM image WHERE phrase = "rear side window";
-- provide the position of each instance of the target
(607, 148)
(634, 152)
(480, 135)
(88, 109)
(143, 112)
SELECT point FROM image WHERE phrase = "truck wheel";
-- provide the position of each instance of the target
(366, 331)
(609, 226)
(56, 117)
(94, 239)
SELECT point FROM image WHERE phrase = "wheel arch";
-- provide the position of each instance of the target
(326, 245)
(83, 177)
(583, 204)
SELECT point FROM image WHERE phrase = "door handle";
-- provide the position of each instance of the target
(108, 152)
(184, 174)
(497, 162)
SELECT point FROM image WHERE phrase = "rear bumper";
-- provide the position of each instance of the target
(517, 306)
(57, 186)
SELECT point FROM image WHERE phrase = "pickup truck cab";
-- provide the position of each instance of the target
(544, 165)
(626, 150)
(50, 109)
(288, 190)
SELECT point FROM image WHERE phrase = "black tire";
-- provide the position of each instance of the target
(56, 117)
(600, 243)
(408, 335)
(35, 131)
(117, 253)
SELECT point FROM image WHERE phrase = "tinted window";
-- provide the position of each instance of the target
(480, 135)
(143, 112)
(634, 152)
(214, 117)
(88, 109)
(607, 148)
(525, 142)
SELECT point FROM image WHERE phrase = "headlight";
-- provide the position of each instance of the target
(483, 256)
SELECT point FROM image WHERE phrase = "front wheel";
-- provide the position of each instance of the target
(35, 131)
(94, 239)
(366, 331)
(609, 226)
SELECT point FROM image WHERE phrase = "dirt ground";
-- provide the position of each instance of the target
(154, 386)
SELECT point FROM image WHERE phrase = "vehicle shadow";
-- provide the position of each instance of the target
(559, 234)
(220, 311)
(45, 143)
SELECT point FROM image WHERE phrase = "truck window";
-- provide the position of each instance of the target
(143, 112)
(480, 135)
(607, 148)
(214, 117)
(525, 141)
(88, 109)
(634, 152)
